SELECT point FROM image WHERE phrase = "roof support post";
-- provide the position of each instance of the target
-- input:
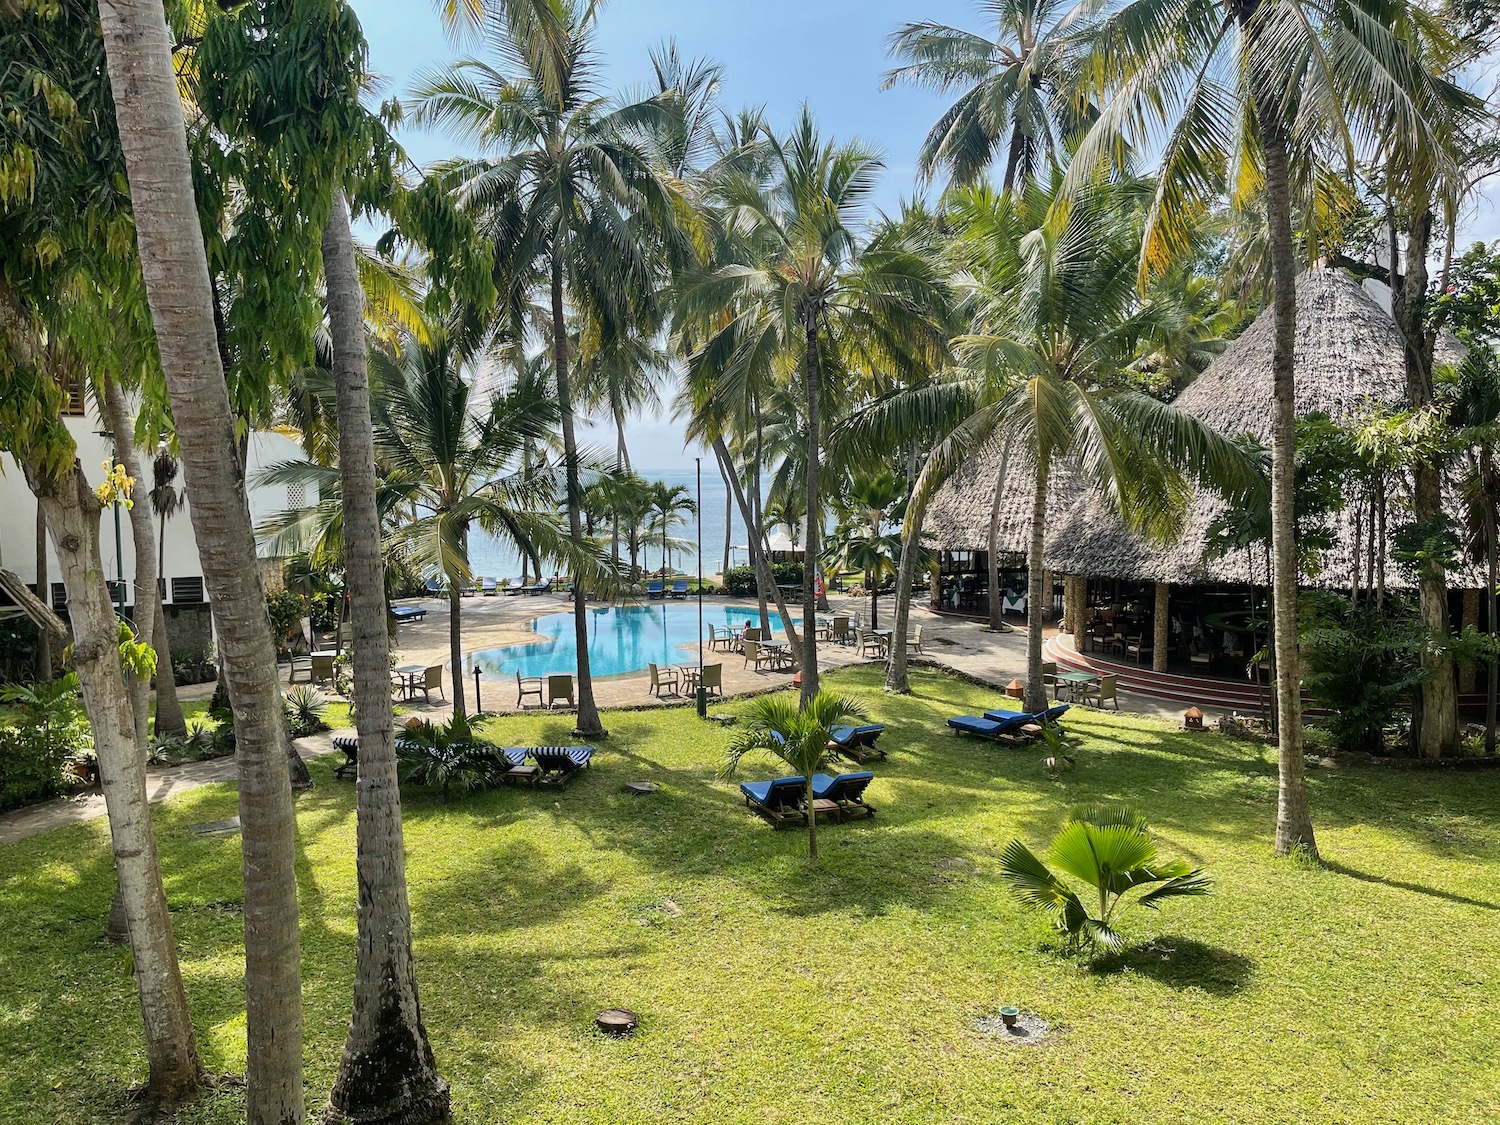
(1163, 623)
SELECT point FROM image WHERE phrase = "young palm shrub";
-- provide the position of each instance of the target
(1109, 850)
(799, 736)
(445, 755)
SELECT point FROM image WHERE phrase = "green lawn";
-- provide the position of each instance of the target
(773, 991)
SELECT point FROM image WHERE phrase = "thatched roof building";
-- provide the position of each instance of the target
(1349, 359)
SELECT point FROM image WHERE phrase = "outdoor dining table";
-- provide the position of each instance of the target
(779, 649)
(1072, 681)
(410, 675)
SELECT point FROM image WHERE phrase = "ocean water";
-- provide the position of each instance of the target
(622, 640)
(493, 559)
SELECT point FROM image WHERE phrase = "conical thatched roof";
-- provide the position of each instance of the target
(959, 516)
(1348, 359)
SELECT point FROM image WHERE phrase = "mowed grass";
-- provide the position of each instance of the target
(770, 990)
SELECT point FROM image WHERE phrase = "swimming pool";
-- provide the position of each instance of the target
(622, 640)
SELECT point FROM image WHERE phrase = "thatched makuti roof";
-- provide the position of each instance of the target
(1349, 358)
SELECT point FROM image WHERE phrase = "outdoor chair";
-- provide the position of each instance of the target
(560, 687)
(526, 687)
(713, 680)
(560, 764)
(487, 587)
(720, 642)
(510, 766)
(322, 669)
(679, 588)
(1049, 678)
(1095, 695)
(301, 671)
(1012, 721)
(914, 641)
(868, 645)
(840, 632)
(544, 587)
(661, 679)
(514, 586)
(846, 791)
(434, 587)
(432, 680)
(755, 654)
(656, 588)
(350, 746)
(779, 801)
(1139, 649)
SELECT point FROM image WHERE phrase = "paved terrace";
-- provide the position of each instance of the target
(961, 644)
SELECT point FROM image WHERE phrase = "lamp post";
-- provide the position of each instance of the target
(702, 692)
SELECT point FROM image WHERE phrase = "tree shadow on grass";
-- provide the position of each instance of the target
(1417, 888)
(1180, 962)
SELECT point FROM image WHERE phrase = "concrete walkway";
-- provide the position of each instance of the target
(961, 644)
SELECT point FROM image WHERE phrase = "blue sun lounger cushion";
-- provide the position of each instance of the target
(655, 588)
(857, 736)
(1011, 719)
(981, 727)
(847, 790)
(779, 800)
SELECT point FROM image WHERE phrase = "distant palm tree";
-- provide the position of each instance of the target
(872, 550)
(167, 500)
(813, 299)
(799, 735)
(671, 504)
(1019, 91)
(568, 192)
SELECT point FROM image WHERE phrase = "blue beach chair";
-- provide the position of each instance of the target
(847, 791)
(779, 801)
(656, 588)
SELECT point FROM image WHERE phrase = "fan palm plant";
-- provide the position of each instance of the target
(873, 551)
(1241, 100)
(800, 734)
(812, 300)
(671, 504)
(1107, 848)
(1018, 92)
(567, 190)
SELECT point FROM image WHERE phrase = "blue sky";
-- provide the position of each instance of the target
(777, 53)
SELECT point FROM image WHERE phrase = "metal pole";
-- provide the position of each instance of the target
(477, 707)
(702, 692)
(119, 566)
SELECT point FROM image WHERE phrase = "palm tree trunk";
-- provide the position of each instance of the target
(43, 591)
(1492, 600)
(896, 678)
(762, 565)
(173, 262)
(728, 523)
(758, 527)
(171, 1048)
(589, 725)
(809, 661)
(1437, 733)
(455, 644)
(1036, 691)
(387, 1072)
(1294, 830)
(1013, 156)
(147, 593)
(997, 603)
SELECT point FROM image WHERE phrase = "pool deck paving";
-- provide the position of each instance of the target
(962, 645)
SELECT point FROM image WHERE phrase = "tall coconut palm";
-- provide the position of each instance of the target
(873, 551)
(813, 300)
(173, 262)
(1019, 92)
(1244, 93)
(567, 190)
(387, 1071)
(166, 501)
(453, 465)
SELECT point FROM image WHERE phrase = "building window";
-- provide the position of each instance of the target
(59, 597)
(187, 590)
(296, 496)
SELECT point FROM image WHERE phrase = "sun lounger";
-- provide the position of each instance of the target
(514, 586)
(679, 588)
(779, 801)
(1020, 718)
(656, 588)
(858, 742)
(560, 764)
(846, 791)
(1014, 730)
(487, 587)
(349, 744)
(538, 588)
(407, 612)
(435, 587)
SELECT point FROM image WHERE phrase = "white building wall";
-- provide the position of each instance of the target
(18, 509)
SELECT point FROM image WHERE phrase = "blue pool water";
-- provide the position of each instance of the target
(621, 640)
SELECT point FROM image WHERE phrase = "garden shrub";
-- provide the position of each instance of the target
(1362, 665)
(447, 755)
(740, 580)
(287, 611)
(306, 711)
(51, 729)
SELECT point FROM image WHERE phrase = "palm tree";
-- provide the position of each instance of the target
(174, 264)
(1018, 92)
(813, 300)
(568, 192)
(873, 552)
(800, 735)
(167, 500)
(387, 1066)
(1244, 92)
(671, 504)
(450, 467)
